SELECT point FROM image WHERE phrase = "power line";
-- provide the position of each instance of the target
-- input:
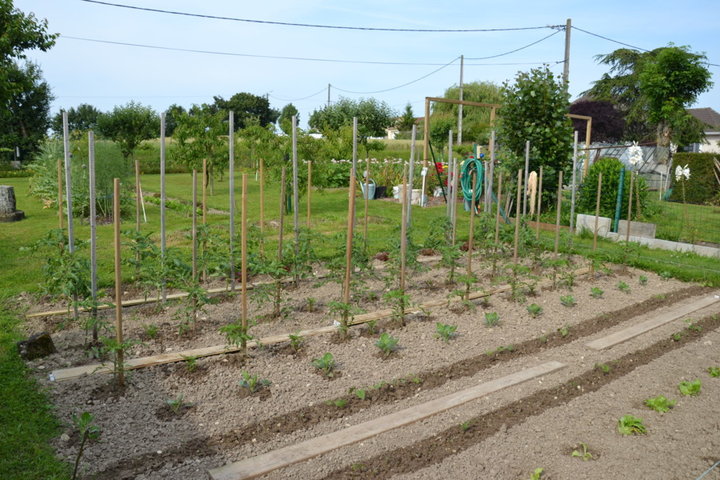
(404, 84)
(322, 90)
(314, 25)
(515, 50)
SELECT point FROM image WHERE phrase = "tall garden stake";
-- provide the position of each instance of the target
(68, 201)
(471, 234)
(296, 201)
(262, 207)
(243, 264)
(93, 237)
(348, 250)
(630, 199)
(231, 179)
(119, 354)
(309, 193)
(367, 201)
(497, 212)
(539, 204)
(597, 211)
(403, 245)
(517, 215)
(194, 243)
(163, 241)
(559, 209)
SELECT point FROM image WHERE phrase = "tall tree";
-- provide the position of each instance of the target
(82, 118)
(285, 120)
(24, 96)
(129, 125)
(652, 89)
(406, 121)
(373, 118)
(608, 124)
(172, 113)
(476, 120)
(247, 108)
(534, 108)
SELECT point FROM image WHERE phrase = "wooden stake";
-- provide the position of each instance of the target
(231, 179)
(403, 230)
(349, 241)
(296, 198)
(559, 208)
(367, 200)
(539, 204)
(527, 173)
(282, 215)
(68, 202)
(453, 215)
(471, 234)
(497, 212)
(194, 227)
(309, 192)
(60, 173)
(262, 207)
(630, 199)
(597, 210)
(243, 261)
(517, 215)
(137, 195)
(204, 191)
(119, 359)
(93, 231)
(163, 241)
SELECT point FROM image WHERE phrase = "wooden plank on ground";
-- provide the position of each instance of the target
(643, 327)
(267, 462)
(163, 358)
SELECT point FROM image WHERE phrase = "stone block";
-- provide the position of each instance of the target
(36, 346)
(588, 222)
(637, 229)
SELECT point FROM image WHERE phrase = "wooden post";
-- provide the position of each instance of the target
(163, 235)
(296, 198)
(453, 216)
(354, 147)
(573, 185)
(630, 199)
(204, 191)
(539, 204)
(497, 212)
(349, 240)
(231, 179)
(262, 206)
(559, 208)
(194, 227)
(243, 261)
(426, 133)
(448, 209)
(411, 181)
(309, 192)
(597, 210)
(137, 195)
(471, 234)
(517, 215)
(367, 201)
(282, 215)
(93, 231)
(119, 359)
(588, 135)
(403, 232)
(60, 177)
(527, 172)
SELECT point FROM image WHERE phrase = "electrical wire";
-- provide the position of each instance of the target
(404, 84)
(515, 50)
(298, 99)
(315, 25)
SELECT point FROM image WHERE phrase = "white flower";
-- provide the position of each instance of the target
(681, 172)
(635, 153)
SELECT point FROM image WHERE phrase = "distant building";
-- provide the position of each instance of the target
(711, 120)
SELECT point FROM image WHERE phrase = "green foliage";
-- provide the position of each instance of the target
(250, 109)
(236, 334)
(360, 393)
(406, 121)
(177, 404)
(387, 344)
(714, 371)
(128, 125)
(201, 134)
(660, 404)
(445, 332)
(702, 186)
(285, 119)
(492, 319)
(564, 331)
(88, 431)
(476, 120)
(326, 364)
(643, 280)
(537, 474)
(603, 367)
(190, 362)
(400, 301)
(568, 300)
(610, 169)
(296, 341)
(534, 109)
(253, 383)
(630, 425)
(80, 119)
(596, 292)
(534, 309)
(690, 388)
(582, 452)
(623, 287)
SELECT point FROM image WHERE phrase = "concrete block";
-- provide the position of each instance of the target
(588, 222)
(637, 229)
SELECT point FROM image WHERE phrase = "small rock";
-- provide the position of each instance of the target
(36, 346)
(64, 437)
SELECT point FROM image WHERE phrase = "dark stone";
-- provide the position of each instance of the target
(380, 191)
(37, 346)
(8, 212)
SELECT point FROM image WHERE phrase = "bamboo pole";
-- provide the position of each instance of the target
(497, 212)
(262, 206)
(93, 232)
(539, 203)
(119, 359)
(597, 211)
(163, 235)
(471, 234)
(630, 199)
(517, 215)
(231, 180)
(559, 208)
(348, 242)
(243, 261)
(309, 192)
(367, 201)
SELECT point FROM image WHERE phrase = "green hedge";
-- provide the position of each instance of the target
(15, 173)
(702, 187)
(610, 168)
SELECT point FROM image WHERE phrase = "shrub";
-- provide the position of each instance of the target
(610, 168)
(702, 186)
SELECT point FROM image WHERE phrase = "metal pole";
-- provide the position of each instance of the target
(60, 176)
(328, 99)
(597, 210)
(539, 203)
(574, 185)
(93, 229)
(194, 226)
(118, 283)
(559, 209)
(262, 206)
(460, 105)
(137, 195)
(630, 199)
(517, 216)
(566, 61)
(231, 167)
(68, 183)
(243, 256)
(527, 172)
(163, 240)
(309, 191)
(296, 200)
(411, 179)
(448, 209)
(426, 133)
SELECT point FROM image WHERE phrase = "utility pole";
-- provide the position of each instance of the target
(460, 106)
(566, 63)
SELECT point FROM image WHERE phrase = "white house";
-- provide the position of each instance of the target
(711, 119)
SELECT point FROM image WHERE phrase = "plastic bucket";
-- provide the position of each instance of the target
(370, 194)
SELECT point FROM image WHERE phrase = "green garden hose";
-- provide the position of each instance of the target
(465, 178)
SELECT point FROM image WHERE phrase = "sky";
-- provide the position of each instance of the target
(409, 66)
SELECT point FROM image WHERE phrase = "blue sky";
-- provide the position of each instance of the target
(105, 75)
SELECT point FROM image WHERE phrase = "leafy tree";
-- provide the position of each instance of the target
(534, 108)
(128, 125)
(246, 107)
(373, 118)
(82, 118)
(652, 90)
(286, 115)
(200, 134)
(607, 122)
(476, 120)
(24, 120)
(407, 120)
(171, 115)
(24, 97)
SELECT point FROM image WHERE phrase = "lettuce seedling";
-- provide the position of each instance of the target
(690, 388)
(629, 425)
(660, 404)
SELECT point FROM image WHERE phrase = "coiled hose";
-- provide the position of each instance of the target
(468, 166)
